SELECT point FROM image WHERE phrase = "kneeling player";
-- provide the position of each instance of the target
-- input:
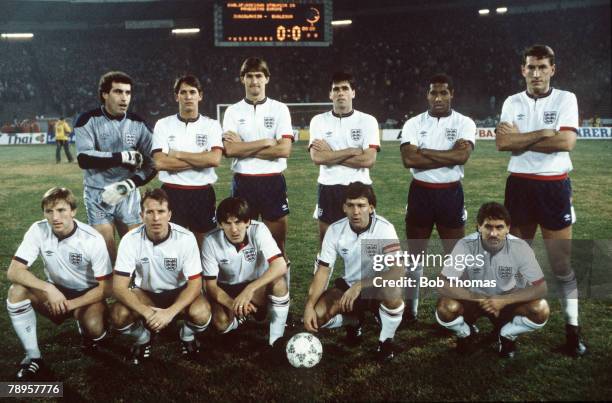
(78, 270)
(506, 284)
(168, 280)
(343, 304)
(244, 271)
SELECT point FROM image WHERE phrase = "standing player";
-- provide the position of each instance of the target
(435, 145)
(258, 135)
(539, 127)
(113, 147)
(515, 302)
(344, 143)
(62, 128)
(78, 272)
(168, 280)
(344, 303)
(186, 148)
(244, 271)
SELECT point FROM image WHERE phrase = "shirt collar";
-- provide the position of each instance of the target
(112, 117)
(263, 101)
(178, 116)
(450, 112)
(541, 96)
(241, 245)
(61, 238)
(155, 243)
(343, 115)
(365, 229)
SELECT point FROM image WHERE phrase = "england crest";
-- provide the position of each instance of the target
(371, 249)
(75, 258)
(170, 263)
(550, 117)
(356, 134)
(249, 254)
(268, 122)
(201, 140)
(451, 134)
(504, 272)
(130, 139)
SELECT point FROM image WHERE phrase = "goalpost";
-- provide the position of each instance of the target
(301, 113)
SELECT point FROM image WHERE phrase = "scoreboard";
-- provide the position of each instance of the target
(273, 23)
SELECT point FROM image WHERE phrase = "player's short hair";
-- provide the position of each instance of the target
(493, 210)
(158, 194)
(233, 207)
(442, 78)
(539, 52)
(254, 64)
(56, 194)
(340, 76)
(188, 79)
(355, 190)
(106, 82)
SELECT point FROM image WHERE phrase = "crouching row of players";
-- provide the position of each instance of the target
(244, 274)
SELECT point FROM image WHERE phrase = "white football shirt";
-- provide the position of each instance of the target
(358, 249)
(234, 264)
(558, 111)
(426, 131)
(175, 133)
(159, 266)
(513, 267)
(268, 119)
(355, 130)
(77, 261)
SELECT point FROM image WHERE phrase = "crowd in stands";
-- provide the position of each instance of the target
(391, 58)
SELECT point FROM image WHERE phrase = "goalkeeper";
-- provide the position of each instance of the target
(113, 147)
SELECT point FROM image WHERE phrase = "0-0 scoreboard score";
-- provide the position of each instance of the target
(273, 23)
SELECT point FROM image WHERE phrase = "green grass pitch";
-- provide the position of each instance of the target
(237, 368)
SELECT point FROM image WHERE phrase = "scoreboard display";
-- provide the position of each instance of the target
(273, 23)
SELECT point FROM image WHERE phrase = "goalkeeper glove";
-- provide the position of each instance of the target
(133, 158)
(116, 192)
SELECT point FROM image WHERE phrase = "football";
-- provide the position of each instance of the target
(304, 350)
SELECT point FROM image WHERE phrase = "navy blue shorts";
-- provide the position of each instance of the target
(69, 293)
(544, 202)
(192, 208)
(266, 195)
(164, 299)
(233, 290)
(330, 199)
(428, 206)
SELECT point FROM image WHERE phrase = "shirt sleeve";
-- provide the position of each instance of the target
(372, 135)
(146, 172)
(284, 128)
(468, 131)
(100, 260)
(315, 130)
(529, 267)
(409, 135)
(229, 121)
(327, 256)
(85, 140)
(126, 257)
(389, 240)
(192, 265)
(266, 243)
(216, 133)
(210, 265)
(568, 114)
(449, 270)
(30, 246)
(160, 140)
(506, 114)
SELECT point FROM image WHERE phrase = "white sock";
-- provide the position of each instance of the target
(278, 309)
(340, 320)
(569, 297)
(137, 331)
(232, 326)
(458, 326)
(413, 292)
(189, 329)
(519, 324)
(23, 319)
(390, 320)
